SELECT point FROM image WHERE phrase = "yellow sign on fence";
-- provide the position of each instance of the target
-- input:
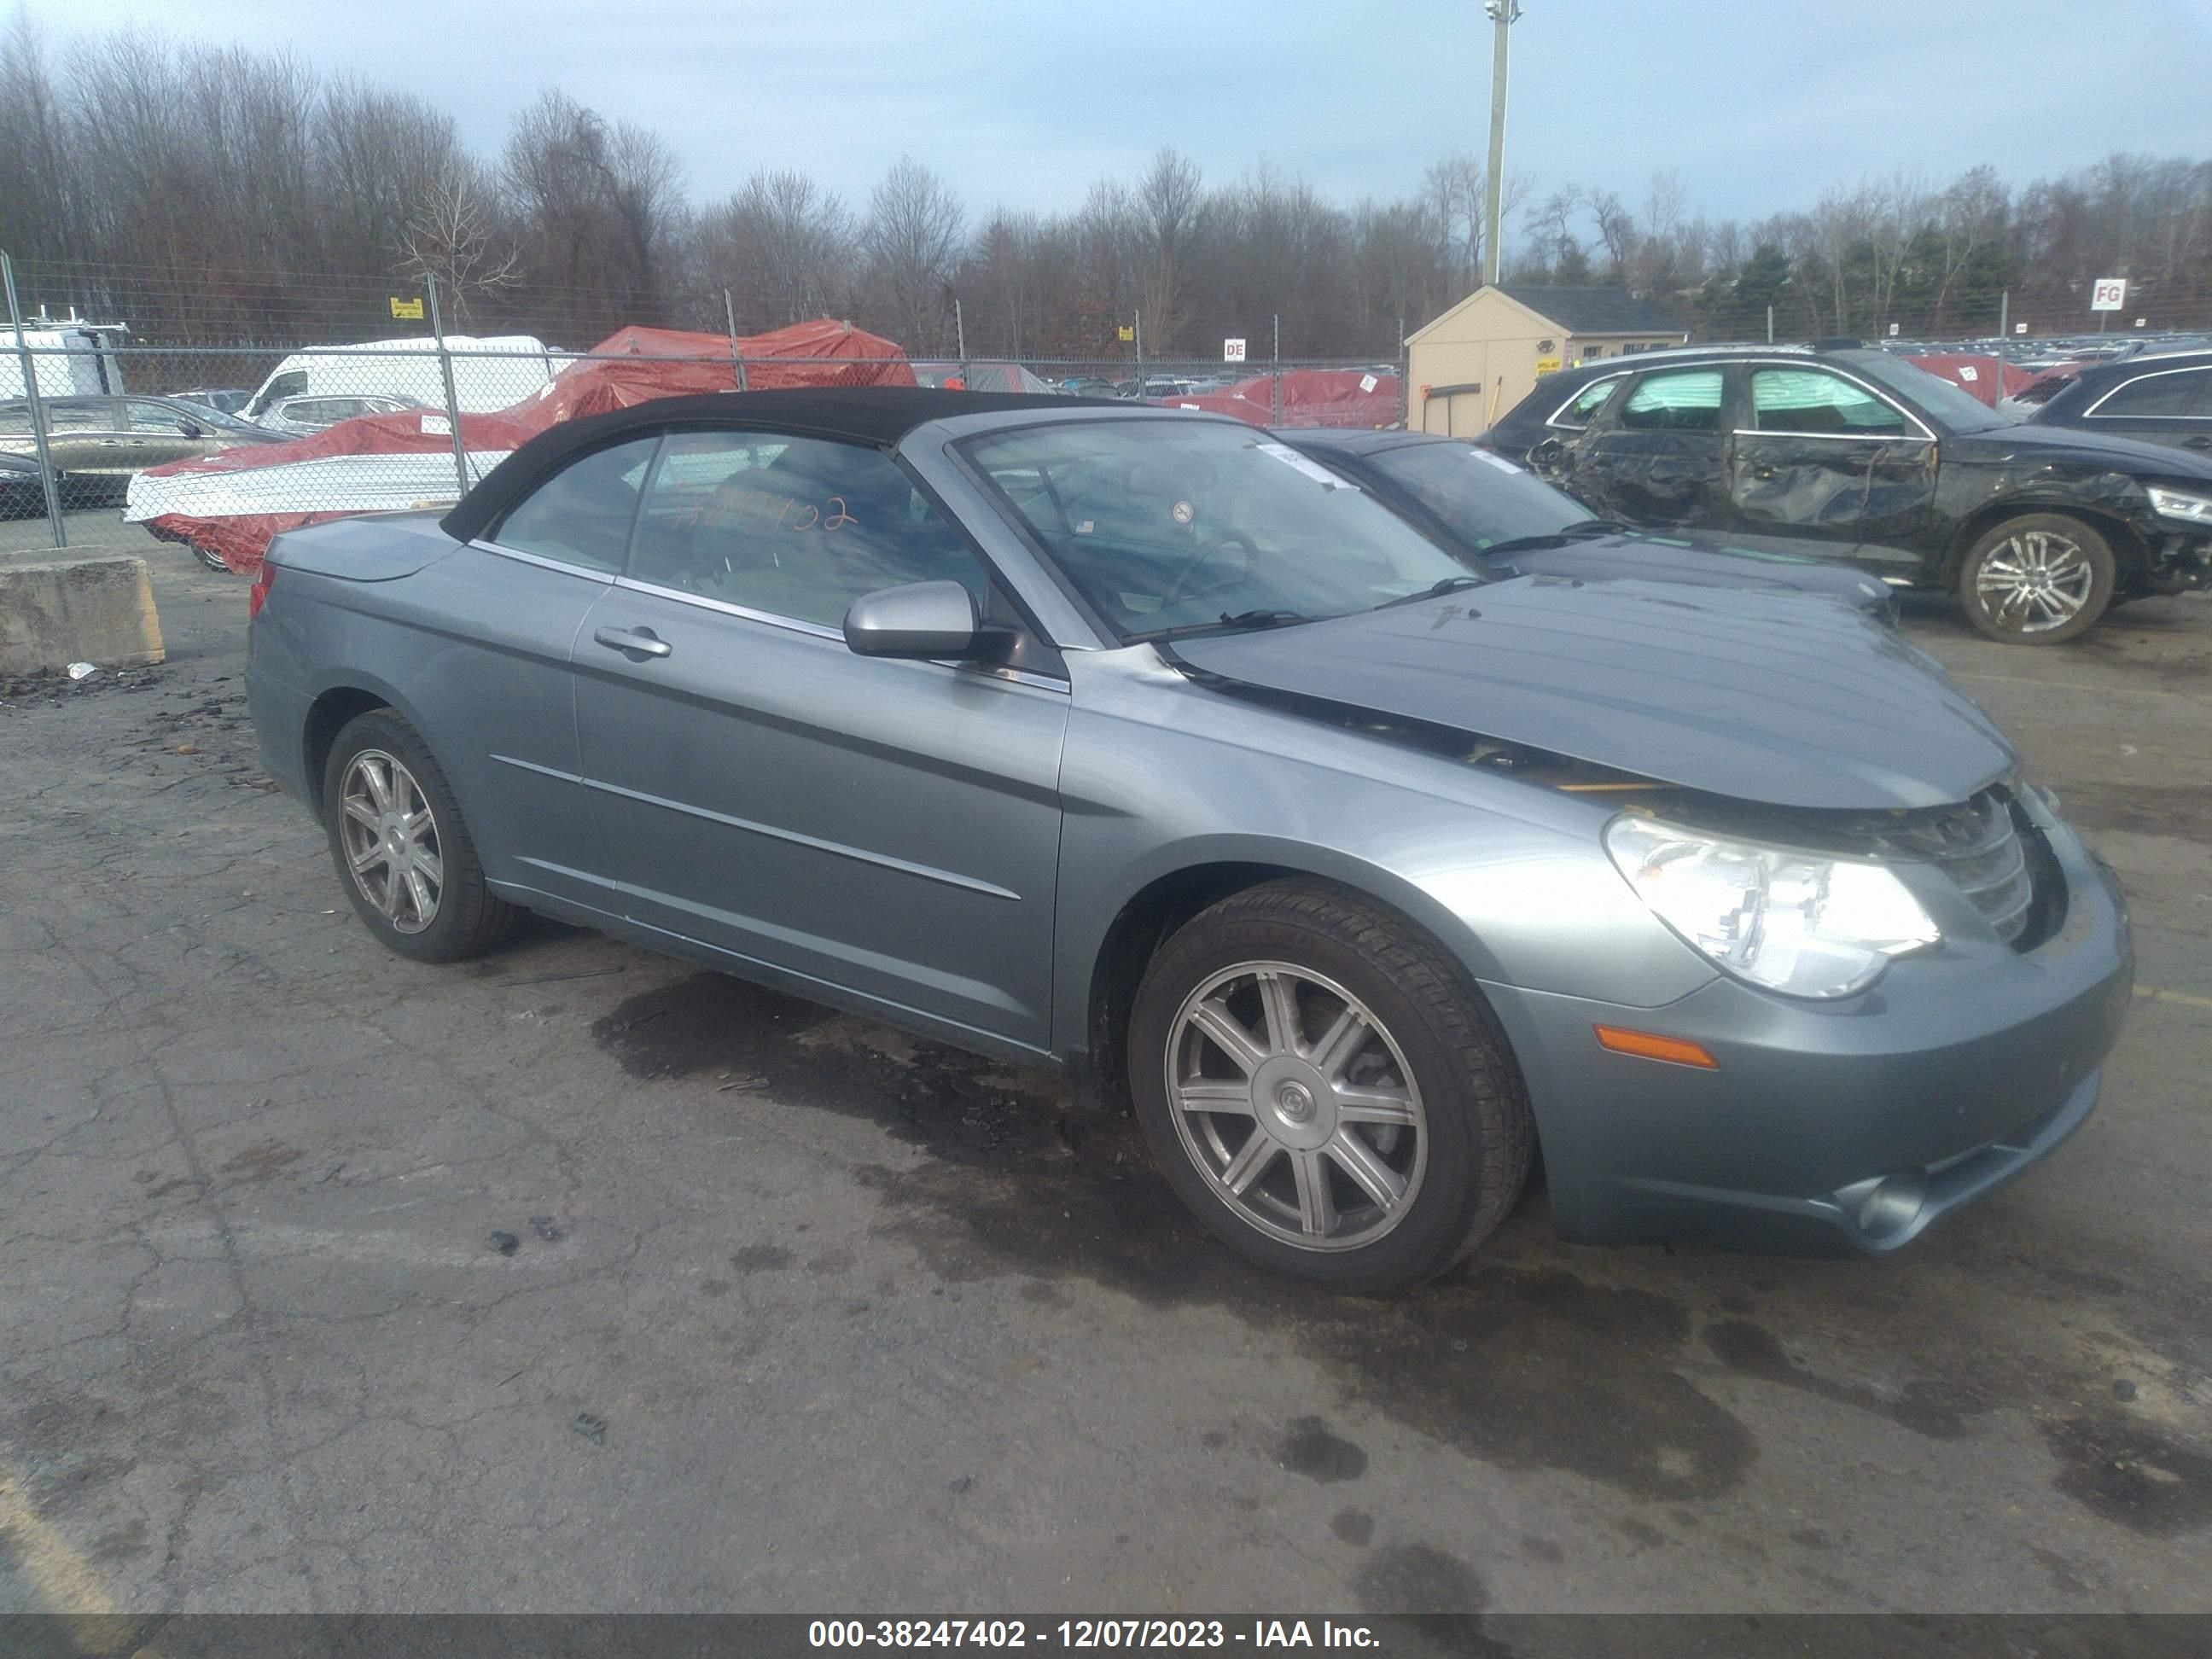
(407, 310)
(1126, 331)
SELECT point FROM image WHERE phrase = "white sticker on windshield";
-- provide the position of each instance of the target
(1368, 383)
(437, 426)
(1298, 463)
(1497, 461)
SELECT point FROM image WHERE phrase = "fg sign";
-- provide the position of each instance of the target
(2110, 293)
(1233, 351)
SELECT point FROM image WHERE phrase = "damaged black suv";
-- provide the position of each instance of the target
(2037, 529)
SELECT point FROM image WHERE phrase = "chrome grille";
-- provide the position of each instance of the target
(1978, 845)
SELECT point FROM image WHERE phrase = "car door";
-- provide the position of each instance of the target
(88, 436)
(160, 432)
(1656, 456)
(1823, 459)
(887, 827)
(2165, 406)
(493, 678)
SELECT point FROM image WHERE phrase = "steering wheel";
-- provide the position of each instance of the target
(1179, 589)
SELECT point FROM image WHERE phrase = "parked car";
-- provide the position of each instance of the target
(2037, 528)
(1134, 744)
(224, 400)
(1501, 520)
(2165, 400)
(297, 417)
(21, 494)
(96, 444)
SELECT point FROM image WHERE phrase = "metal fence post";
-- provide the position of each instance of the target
(730, 321)
(1275, 412)
(446, 373)
(46, 481)
(960, 341)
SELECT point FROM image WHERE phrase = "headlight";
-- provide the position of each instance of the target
(2174, 504)
(1793, 921)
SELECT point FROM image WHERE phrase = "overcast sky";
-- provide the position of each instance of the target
(1761, 103)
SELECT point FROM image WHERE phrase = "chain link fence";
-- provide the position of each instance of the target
(220, 448)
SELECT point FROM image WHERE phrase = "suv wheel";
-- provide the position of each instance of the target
(402, 852)
(2037, 580)
(1326, 1089)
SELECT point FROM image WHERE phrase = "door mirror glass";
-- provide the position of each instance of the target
(918, 619)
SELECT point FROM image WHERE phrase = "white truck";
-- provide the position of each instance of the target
(490, 373)
(68, 359)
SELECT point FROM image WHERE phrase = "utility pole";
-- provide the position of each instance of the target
(1503, 14)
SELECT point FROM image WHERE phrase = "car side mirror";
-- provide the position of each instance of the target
(191, 429)
(918, 619)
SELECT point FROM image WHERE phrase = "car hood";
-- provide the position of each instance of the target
(2031, 441)
(1694, 561)
(1755, 696)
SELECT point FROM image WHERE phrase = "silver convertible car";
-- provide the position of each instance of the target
(1134, 743)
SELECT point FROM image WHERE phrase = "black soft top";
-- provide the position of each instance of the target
(878, 415)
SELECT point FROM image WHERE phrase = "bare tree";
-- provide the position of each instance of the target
(455, 237)
(784, 246)
(913, 242)
(1165, 204)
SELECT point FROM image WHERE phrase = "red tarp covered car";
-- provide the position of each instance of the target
(229, 506)
(1311, 397)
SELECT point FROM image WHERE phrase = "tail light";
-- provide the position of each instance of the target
(264, 580)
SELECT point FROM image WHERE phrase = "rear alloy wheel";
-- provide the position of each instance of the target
(1325, 1089)
(2037, 579)
(396, 834)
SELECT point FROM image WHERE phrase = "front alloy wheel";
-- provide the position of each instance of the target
(1294, 1102)
(1324, 1085)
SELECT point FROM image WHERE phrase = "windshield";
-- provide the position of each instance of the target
(1932, 395)
(1483, 498)
(1164, 525)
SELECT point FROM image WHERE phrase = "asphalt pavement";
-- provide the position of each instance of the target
(576, 1278)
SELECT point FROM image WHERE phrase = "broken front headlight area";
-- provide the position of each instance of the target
(1798, 922)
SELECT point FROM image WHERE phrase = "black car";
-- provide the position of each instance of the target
(2165, 400)
(21, 493)
(2038, 528)
(1504, 521)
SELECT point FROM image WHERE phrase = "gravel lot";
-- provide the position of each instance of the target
(577, 1279)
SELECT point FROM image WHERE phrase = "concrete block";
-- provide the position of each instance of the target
(58, 610)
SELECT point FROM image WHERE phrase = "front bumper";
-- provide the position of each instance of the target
(1828, 1128)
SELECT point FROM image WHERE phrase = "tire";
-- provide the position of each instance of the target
(1430, 1057)
(463, 918)
(2038, 579)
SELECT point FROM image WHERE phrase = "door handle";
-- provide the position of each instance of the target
(639, 641)
(2200, 442)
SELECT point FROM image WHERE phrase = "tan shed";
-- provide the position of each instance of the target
(1467, 367)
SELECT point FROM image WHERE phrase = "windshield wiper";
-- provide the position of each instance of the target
(1580, 531)
(1437, 590)
(1246, 619)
